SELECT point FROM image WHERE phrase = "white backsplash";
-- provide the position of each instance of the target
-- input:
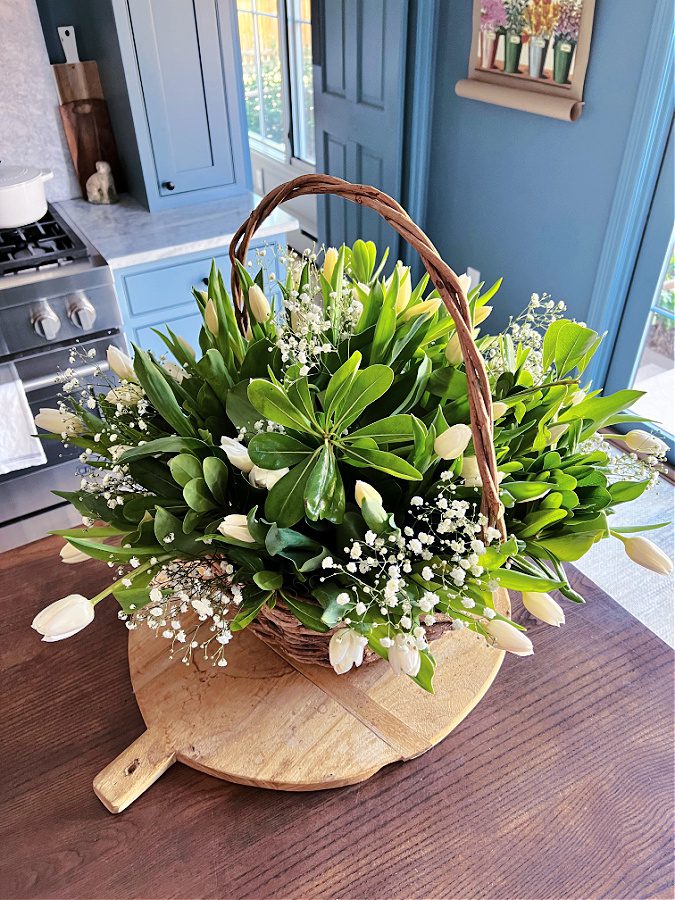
(30, 123)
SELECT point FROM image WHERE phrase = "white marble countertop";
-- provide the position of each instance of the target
(126, 234)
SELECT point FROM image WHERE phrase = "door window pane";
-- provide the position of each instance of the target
(262, 71)
(302, 89)
(656, 368)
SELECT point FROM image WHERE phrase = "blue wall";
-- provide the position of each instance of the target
(525, 196)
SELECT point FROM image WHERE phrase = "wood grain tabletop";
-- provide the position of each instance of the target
(558, 785)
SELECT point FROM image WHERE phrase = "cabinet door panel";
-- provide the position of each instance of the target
(164, 288)
(178, 51)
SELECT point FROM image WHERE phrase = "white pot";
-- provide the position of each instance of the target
(22, 195)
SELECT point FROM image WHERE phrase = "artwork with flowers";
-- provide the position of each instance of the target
(531, 39)
(312, 462)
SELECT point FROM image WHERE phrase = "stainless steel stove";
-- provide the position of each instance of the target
(55, 292)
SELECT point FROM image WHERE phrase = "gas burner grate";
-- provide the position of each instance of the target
(48, 242)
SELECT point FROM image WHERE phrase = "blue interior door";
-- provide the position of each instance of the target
(642, 357)
(359, 49)
(179, 58)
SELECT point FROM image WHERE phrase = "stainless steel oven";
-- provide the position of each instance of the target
(55, 292)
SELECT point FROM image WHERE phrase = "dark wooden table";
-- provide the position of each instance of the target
(560, 783)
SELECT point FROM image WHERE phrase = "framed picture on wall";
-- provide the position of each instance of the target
(530, 55)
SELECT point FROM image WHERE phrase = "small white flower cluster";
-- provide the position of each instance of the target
(403, 575)
(191, 605)
(527, 329)
(625, 466)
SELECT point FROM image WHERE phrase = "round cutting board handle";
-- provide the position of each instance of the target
(133, 771)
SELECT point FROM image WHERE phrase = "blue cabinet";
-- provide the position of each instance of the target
(158, 294)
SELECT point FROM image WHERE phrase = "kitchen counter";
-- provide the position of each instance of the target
(559, 784)
(126, 234)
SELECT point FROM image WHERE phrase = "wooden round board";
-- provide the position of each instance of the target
(268, 721)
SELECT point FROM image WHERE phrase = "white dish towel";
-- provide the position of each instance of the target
(18, 448)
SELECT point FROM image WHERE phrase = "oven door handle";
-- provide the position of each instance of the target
(34, 384)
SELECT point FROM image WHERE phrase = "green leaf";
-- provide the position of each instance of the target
(321, 485)
(570, 547)
(106, 552)
(253, 603)
(527, 490)
(268, 580)
(380, 459)
(537, 521)
(197, 495)
(160, 394)
(216, 475)
(162, 445)
(566, 344)
(167, 525)
(517, 581)
(285, 502)
(395, 429)
(155, 476)
(340, 383)
(272, 450)
(386, 322)
(271, 402)
(307, 613)
(239, 409)
(305, 553)
(624, 491)
(367, 387)
(87, 533)
(600, 409)
(184, 468)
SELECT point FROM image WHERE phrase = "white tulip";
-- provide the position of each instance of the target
(470, 472)
(330, 258)
(453, 441)
(236, 526)
(125, 394)
(465, 283)
(509, 638)
(643, 442)
(499, 409)
(557, 431)
(544, 607)
(404, 657)
(70, 554)
(211, 317)
(117, 450)
(453, 351)
(187, 347)
(577, 397)
(364, 491)
(64, 617)
(265, 478)
(237, 454)
(59, 422)
(646, 554)
(426, 308)
(259, 304)
(481, 314)
(346, 650)
(177, 372)
(404, 286)
(121, 364)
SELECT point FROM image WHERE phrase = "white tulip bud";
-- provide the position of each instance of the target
(424, 308)
(125, 394)
(646, 554)
(258, 304)
(544, 607)
(59, 422)
(557, 431)
(404, 286)
(120, 364)
(237, 454)
(70, 554)
(499, 409)
(187, 347)
(265, 478)
(470, 472)
(330, 258)
(236, 526)
(64, 618)
(453, 351)
(577, 397)
(211, 317)
(346, 650)
(480, 314)
(509, 638)
(465, 283)
(640, 441)
(404, 657)
(453, 441)
(364, 491)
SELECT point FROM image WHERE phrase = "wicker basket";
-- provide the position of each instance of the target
(278, 626)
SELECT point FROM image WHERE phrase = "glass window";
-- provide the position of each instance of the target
(277, 71)
(656, 368)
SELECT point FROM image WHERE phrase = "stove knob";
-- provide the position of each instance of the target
(81, 311)
(45, 322)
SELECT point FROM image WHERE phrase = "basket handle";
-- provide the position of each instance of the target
(442, 276)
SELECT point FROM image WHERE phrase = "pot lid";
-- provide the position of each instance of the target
(11, 176)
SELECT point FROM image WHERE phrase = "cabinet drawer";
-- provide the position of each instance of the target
(187, 326)
(170, 286)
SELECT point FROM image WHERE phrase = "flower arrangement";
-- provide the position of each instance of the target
(515, 15)
(541, 17)
(492, 15)
(315, 458)
(569, 21)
